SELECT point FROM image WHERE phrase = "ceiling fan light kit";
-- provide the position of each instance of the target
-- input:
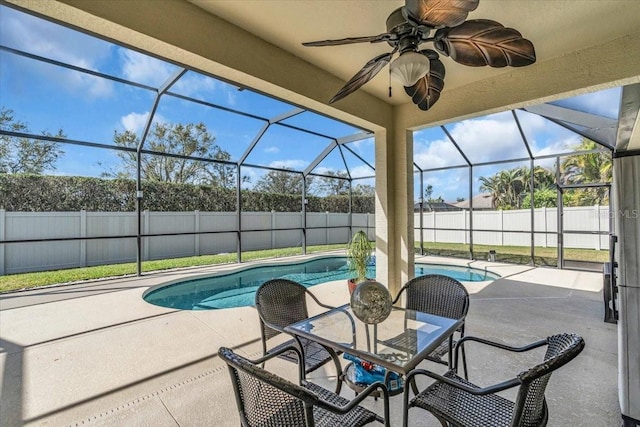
(409, 67)
(443, 23)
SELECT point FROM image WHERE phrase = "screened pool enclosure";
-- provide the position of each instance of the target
(112, 155)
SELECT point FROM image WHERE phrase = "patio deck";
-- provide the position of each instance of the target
(97, 354)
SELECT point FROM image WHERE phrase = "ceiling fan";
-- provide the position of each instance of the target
(474, 43)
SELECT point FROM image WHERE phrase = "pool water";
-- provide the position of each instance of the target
(238, 289)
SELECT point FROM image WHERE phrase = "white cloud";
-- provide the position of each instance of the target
(56, 42)
(272, 149)
(195, 85)
(360, 171)
(134, 122)
(363, 145)
(289, 164)
(143, 68)
(436, 154)
(488, 139)
(605, 102)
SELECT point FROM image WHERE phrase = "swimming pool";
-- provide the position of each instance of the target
(238, 289)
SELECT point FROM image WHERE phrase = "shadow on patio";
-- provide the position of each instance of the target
(112, 359)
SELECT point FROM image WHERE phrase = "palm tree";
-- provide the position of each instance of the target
(587, 169)
(508, 187)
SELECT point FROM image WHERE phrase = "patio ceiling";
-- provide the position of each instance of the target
(556, 28)
(581, 46)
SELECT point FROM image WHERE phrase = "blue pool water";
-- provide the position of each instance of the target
(238, 289)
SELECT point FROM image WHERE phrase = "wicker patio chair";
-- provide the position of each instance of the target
(455, 401)
(440, 295)
(282, 302)
(265, 399)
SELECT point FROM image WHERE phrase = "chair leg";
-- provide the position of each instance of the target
(414, 387)
(339, 373)
(464, 364)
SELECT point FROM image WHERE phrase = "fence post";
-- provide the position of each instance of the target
(598, 237)
(3, 225)
(196, 237)
(83, 242)
(146, 227)
(501, 227)
(326, 227)
(544, 225)
(273, 227)
(466, 226)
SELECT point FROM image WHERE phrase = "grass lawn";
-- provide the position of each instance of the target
(515, 254)
(44, 278)
(511, 254)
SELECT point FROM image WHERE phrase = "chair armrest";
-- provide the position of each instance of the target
(494, 344)
(359, 398)
(502, 346)
(278, 353)
(317, 301)
(480, 391)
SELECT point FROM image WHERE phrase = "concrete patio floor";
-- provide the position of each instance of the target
(97, 354)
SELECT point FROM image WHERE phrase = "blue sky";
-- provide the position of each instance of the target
(90, 108)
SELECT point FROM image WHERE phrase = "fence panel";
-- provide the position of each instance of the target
(105, 251)
(18, 258)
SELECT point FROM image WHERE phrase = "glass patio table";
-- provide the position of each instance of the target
(399, 343)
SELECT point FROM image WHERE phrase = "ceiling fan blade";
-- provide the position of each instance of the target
(365, 74)
(482, 42)
(351, 40)
(438, 13)
(426, 91)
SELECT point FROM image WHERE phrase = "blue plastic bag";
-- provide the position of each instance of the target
(365, 373)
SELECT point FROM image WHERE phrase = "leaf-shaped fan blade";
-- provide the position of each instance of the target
(365, 74)
(351, 40)
(426, 91)
(438, 13)
(484, 42)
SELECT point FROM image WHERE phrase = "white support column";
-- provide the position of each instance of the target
(394, 208)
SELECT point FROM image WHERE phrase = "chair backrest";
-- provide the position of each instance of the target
(531, 407)
(280, 302)
(436, 294)
(265, 399)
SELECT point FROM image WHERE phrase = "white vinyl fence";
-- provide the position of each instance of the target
(261, 230)
(450, 227)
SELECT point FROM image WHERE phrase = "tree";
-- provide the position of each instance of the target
(365, 190)
(509, 187)
(585, 169)
(545, 198)
(428, 192)
(24, 155)
(329, 186)
(428, 195)
(283, 182)
(191, 140)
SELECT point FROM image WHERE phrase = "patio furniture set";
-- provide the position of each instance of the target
(430, 327)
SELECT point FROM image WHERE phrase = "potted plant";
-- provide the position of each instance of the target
(359, 255)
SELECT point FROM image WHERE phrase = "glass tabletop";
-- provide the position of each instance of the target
(398, 343)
